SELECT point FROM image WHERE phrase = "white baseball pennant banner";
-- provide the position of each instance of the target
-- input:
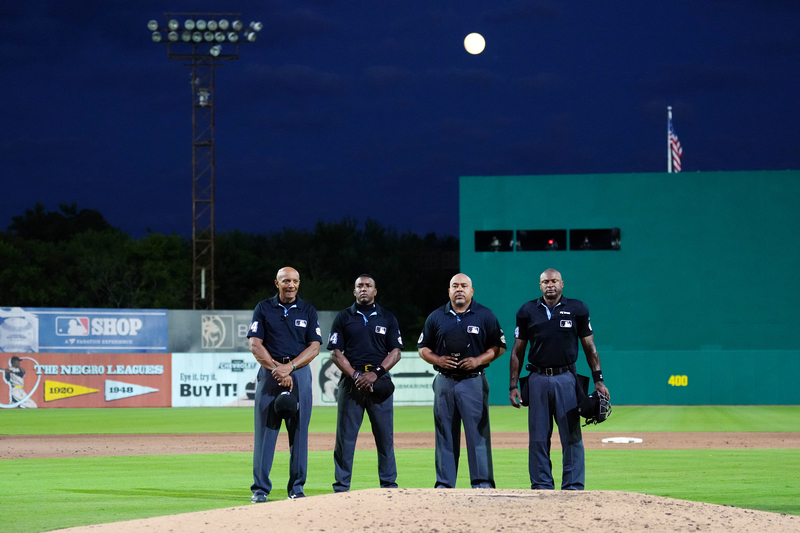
(117, 390)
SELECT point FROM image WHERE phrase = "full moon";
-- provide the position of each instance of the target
(474, 43)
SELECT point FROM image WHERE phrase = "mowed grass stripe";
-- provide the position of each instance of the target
(323, 420)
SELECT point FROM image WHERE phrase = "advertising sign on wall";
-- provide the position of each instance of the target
(412, 378)
(32, 330)
(218, 331)
(209, 331)
(229, 380)
(54, 380)
(213, 380)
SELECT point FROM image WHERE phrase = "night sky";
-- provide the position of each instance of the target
(374, 109)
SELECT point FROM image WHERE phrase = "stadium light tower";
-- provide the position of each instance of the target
(204, 41)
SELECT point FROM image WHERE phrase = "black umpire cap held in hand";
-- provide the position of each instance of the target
(286, 403)
(456, 342)
(382, 389)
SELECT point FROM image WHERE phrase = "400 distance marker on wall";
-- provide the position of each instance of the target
(678, 381)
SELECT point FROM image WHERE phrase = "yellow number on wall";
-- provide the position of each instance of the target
(678, 381)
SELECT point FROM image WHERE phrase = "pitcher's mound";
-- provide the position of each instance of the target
(457, 510)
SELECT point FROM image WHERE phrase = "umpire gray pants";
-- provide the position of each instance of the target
(268, 425)
(350, 415)
(455, 402)
(553, 398)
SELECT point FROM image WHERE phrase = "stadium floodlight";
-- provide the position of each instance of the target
(197, 40)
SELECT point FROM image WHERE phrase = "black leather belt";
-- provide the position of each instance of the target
(547, 371)
(282, 360)
(364, 368)
(460, 377)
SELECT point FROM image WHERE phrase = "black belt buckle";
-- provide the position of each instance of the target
(550, 371)
(461, 377)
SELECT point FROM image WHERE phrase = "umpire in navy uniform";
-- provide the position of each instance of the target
(553, 324)
(460, 339)
(365, 344)
(284, 338)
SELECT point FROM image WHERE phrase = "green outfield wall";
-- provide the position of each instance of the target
(697, 306)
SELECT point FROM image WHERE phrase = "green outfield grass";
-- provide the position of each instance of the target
(323, 420)
(45, 494)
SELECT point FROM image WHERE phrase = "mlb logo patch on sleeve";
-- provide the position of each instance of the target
(380, 330)
(301, 323)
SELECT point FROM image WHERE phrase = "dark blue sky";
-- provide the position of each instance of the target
(373, 109)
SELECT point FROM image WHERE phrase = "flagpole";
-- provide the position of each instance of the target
(669, 147)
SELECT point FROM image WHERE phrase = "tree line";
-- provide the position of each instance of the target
(75, 258)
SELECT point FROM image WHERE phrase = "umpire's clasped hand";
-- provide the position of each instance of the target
(448, 362)
(282, 374)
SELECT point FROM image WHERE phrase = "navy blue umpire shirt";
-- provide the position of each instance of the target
(365, 337)
(285, 329)
(482, 327)
(553, 333)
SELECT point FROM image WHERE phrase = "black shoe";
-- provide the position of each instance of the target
(258, 497)
(294, 496)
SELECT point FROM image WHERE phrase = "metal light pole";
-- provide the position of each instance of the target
(200, 43)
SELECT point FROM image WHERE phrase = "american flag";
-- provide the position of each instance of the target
(675, 146)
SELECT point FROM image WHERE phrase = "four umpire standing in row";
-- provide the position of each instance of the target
(460, 340)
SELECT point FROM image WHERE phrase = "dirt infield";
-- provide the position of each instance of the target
(40, 446)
